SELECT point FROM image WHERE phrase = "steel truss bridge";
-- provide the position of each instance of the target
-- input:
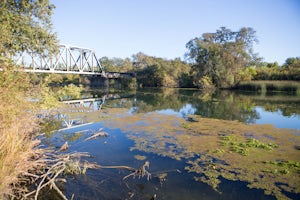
(68, 60)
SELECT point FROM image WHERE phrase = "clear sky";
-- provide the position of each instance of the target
(161, 28)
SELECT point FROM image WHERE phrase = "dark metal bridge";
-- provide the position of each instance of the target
(68, 60)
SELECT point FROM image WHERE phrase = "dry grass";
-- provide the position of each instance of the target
(22, 161)
(16, 127)
(17, 149)
(18, 146)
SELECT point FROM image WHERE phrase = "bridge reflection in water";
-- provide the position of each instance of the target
(76, 111)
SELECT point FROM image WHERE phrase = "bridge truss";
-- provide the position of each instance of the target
(68, 60)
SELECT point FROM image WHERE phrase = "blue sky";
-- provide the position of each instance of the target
(161, 28)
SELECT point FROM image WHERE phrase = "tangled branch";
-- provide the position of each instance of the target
(51, 168)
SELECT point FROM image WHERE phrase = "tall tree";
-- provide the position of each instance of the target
(220, 57)
(26, 25)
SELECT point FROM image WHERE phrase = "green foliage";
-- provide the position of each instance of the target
(292, 63)
(128, 82)
(221, 56)
(25, 25)
(151, 71)
(151, 76)
(204, 82)
(116, 64)
(247, 74)
(69, 92)
(290, 70)
(158, 72)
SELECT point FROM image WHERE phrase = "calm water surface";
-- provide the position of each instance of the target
(280, 110)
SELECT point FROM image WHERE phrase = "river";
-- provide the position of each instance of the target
(213, 145)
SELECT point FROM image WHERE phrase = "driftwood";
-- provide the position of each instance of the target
(64, 147)
(100, 133)
(52, 167)
(140, 172)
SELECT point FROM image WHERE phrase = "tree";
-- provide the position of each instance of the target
(156, 72)
(26, 25)
(221, 56)
(116, 64)
(292, 63)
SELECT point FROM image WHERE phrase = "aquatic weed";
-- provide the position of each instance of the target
(243, 147)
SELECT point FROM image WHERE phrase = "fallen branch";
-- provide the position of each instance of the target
(100, 133)
(64, 147)
(140, 172)
(54, 166)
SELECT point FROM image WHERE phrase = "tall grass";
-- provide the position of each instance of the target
(21, 160)
(271, 86)
(17, 125)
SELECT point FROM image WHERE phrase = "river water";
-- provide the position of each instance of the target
(157, 125)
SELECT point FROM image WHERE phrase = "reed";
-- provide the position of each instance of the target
(271, 86)
(18, 128)
(17, 125)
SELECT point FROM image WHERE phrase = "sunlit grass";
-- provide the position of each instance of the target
(16, 143)
(17, 124)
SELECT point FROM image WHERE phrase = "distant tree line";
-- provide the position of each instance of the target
(222, 59)
(152, 71)
(290, 70)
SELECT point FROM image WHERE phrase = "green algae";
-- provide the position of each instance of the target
(243, 147)
(261, 155)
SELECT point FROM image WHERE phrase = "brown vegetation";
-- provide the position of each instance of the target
(17, 125)
(22, 161)
(263, 156)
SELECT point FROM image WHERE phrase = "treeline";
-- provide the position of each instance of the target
(159, 72)
(290, 70)
(222, 59)
(152, 71)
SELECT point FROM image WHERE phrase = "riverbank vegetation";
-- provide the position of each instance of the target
(262, 86)
(224, 59)
(26, 25)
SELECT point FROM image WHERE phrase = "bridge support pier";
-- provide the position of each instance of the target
(98, 81)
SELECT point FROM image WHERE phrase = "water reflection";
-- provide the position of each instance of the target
(283, 111)
(144, 124)
(226, 105)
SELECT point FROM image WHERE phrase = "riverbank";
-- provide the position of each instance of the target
(270, 86)
(22, 161)
(17, 128)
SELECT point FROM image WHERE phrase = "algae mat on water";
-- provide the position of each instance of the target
(263, 156)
